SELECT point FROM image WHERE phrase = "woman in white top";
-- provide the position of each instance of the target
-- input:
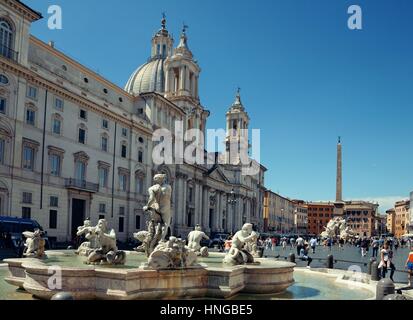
(386, 256)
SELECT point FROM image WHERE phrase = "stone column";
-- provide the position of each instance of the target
(167, 81)
(184, 209)
(179, 203)
(205, 209)
(182, 79)
(198, 203)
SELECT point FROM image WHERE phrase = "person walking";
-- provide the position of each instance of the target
(375, 245)
(396, 244)
(386, 257)
(284, 243)
(273, 243)
(292, 243)
(363, 246)
(409, 266)
(300, 244)
(313, 244)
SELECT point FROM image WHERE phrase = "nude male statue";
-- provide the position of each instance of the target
(159, 203)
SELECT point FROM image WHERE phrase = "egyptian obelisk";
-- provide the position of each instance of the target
(339, 204)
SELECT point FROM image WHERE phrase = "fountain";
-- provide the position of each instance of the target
(160, 268)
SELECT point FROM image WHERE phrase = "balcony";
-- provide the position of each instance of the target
(8, 53)
(81, 185)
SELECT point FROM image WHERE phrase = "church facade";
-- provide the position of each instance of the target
(73, 145)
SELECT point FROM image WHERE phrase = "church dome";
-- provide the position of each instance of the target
(149, 77)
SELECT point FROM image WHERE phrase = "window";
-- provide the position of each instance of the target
(26, 213)
(58, 104)
(57, 126)
(124, 132)
(121, 211)
(102, 208)
(2, 150)
(54, 201)
(55, 161)
(27, 197)
(52, 219)
(124, 151)
(3, 79)
(2, 105)
(82, 136)
(138, 222)
(140, 111)
(103, 177)
(123, 182)
(30, 116)
(6, 39)
(104, 144)
(121, 223)
(83, 114)
(139, 184)
(32, 92)
(140, 140)
(28, 158)
(140, 156)
(101, 216)
(105, 124)
(80, 170)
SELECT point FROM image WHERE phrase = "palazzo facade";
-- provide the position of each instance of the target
(73, 145)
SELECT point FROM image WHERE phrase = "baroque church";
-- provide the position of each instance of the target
(74, 145)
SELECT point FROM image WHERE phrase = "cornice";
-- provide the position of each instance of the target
(24, 10)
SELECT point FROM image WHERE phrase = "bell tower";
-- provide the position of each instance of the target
(162, 42)
(237, 130)
(182, 76)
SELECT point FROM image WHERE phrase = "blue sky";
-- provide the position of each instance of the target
(305, 78)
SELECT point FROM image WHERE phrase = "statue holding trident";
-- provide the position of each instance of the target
(159, 211)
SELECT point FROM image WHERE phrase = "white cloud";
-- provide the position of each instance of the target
(385, 203)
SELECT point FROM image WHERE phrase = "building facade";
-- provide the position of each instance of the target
(361, 217)
(391, 221)
(300, 217)
(402, 218)
(319, 214)
(279, 213)
(73, 145)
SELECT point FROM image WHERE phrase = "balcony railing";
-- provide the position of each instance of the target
(8, 53)
(81, 185)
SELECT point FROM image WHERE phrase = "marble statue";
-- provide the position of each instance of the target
(35, 244)
(252, 245)
(337, 227)
(89, 233)
(194, 241)
(172, 254)
(108, 252)
(238, 254)
(159, 211)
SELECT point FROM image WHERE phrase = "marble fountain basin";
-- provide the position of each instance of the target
(63, 271)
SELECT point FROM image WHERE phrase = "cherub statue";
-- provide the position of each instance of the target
(194, 241)
(35, 244)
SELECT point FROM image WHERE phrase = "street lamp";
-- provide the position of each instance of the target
(232, 200)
